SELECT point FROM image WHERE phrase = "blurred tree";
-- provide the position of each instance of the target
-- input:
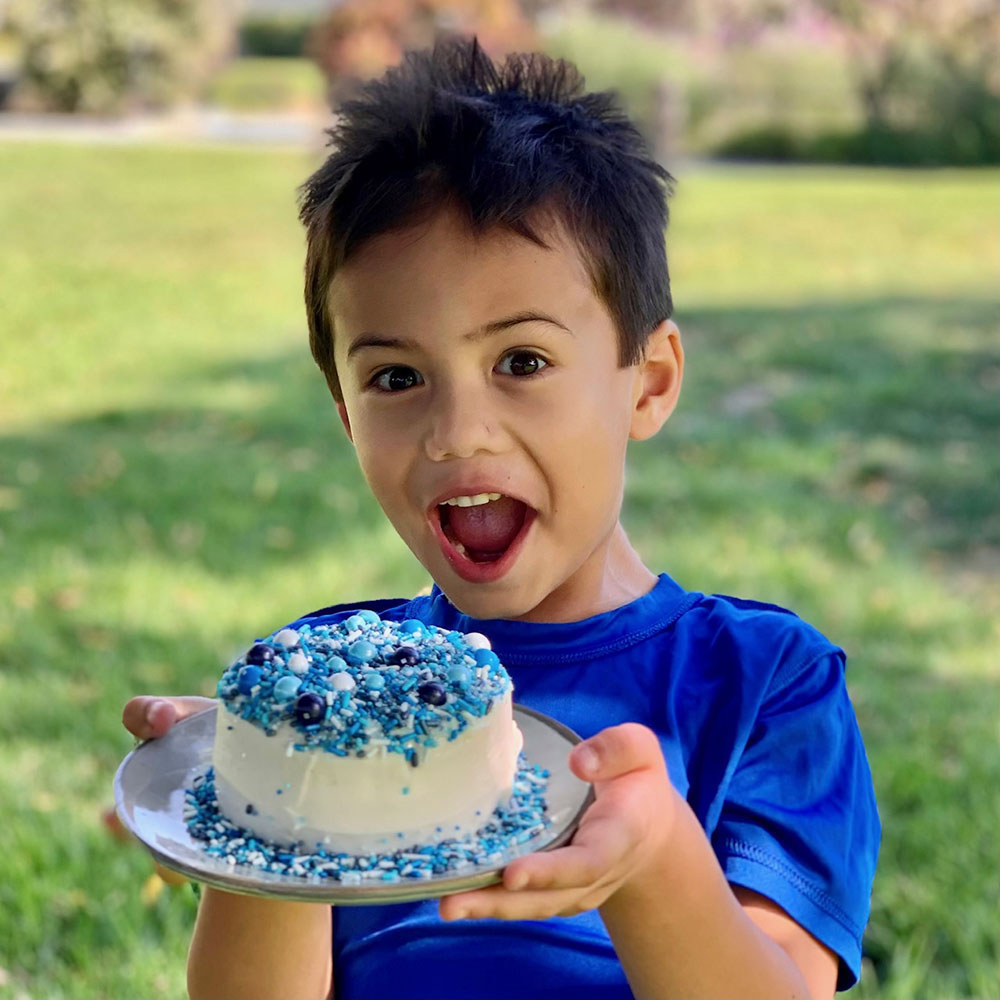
(359, 38)
(926, 67)
(886, 37)
(107, 56)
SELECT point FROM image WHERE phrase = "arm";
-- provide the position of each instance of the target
(245, 946)
(641, 856)
(710, 939)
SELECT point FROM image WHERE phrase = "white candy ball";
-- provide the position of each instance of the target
(342, 682)
(476, 640)
(287, 637)
(297, 662)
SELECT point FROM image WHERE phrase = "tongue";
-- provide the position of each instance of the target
(487, 528)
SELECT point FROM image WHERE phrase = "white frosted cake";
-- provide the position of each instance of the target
(365, 735)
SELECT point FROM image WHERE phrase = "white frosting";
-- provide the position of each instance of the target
(359, 804)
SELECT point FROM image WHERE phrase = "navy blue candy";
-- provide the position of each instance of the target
(432, 693)
(309, 708)
(259, 653)
(405, 656)
(247, 679)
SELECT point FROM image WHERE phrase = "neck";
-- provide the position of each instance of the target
(613, 576)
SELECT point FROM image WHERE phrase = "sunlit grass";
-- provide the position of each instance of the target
(174, 480)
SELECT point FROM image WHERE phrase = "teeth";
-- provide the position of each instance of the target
(476, 501)
(460, 548)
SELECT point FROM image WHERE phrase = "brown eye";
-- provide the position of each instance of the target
(397, 379)
(521, 363)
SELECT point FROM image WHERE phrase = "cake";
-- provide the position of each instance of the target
(365, 735)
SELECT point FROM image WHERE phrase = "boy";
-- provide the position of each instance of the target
(488, 299)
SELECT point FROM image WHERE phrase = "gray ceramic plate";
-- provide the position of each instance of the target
(149, 797)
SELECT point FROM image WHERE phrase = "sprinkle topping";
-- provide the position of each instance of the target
(365, 683)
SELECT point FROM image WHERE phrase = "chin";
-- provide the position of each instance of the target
(479, 602)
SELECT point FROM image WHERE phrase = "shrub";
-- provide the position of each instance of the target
(107, 56)
(277, 35)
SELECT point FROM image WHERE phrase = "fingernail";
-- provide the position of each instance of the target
(586, 757)
(517, 881)
(151, 711)
(459, 915)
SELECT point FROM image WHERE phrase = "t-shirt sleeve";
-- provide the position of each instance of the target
(799, 822)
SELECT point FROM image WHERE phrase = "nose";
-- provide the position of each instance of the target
(460, 424)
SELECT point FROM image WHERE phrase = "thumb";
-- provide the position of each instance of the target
(150, 717)
(616, 751)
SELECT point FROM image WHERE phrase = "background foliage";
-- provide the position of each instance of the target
(108, 56)
(906, 82)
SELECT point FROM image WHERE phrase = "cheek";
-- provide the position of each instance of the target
(376, 466)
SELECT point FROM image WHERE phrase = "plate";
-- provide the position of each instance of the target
(149, 796)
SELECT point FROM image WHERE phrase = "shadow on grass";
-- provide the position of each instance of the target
(831, 456)
(891, 403)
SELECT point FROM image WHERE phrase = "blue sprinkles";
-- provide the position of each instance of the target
(373, 679)
(522, 819)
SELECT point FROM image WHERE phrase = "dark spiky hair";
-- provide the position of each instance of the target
(503, 144)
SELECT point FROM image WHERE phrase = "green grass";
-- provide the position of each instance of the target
(173, 479)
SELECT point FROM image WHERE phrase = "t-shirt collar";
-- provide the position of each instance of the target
(535, 643)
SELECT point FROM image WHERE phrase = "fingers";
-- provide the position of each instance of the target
(615, 751)
(150, 717)
(594, 857)
(499, 904)
(570, 867)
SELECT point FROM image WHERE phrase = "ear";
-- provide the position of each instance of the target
(658, 381)
(345, 420)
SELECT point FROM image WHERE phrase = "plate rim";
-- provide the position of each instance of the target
(308, 889)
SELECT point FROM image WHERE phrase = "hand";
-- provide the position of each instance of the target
(150, 717)
(623, 831)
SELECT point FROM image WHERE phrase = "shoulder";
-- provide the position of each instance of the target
(770, 642)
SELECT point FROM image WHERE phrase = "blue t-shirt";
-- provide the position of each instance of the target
(759, 735)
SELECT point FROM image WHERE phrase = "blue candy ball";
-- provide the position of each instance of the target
(432, 693)
(247, 679)
(458, 675)
(354, 623)
(369, 616)
(361, 651)
(374, 680)
(412, 626)
(486, 658)
(259, 653)
(335, 665)
(286, 687)
(309, 708)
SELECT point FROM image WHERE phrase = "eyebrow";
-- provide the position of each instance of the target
(486, 330)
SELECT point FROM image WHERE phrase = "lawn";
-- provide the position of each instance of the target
(173, 480)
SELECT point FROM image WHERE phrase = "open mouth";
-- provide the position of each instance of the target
(481, 533)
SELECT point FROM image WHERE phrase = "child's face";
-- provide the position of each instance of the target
(442, 400)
